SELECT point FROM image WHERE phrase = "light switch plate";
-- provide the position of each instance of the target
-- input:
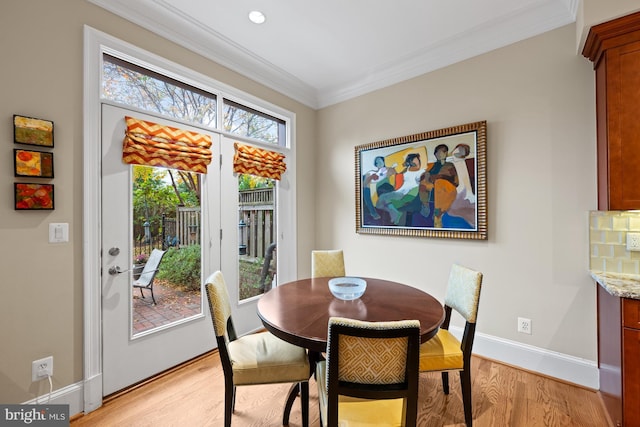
(58, 232)
(633, 241)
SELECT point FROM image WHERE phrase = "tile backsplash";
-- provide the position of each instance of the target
(608, 241)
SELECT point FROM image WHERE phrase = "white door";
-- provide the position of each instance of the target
(130, 356)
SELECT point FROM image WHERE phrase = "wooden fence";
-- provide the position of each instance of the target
(256, 212)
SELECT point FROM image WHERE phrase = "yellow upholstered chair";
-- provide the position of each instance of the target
(444, 352)
(259, 358)
(327, 263)
(370, 376)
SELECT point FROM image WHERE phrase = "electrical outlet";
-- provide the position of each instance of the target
(41, 368)
(633, 241)
(524, 325)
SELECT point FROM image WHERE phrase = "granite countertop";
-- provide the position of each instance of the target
(618, 284)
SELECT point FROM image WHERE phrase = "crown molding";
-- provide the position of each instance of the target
(503, 31)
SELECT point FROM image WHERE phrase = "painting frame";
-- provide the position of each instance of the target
(32, 163)
(29, 196)
(398, 193)
(32, 131)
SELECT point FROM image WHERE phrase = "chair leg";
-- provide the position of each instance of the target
(141, 293)
(465, 383)
(229, 400)
(153, 297)
(304, 402)
(233, 403)
(291, 397)
(445, 382)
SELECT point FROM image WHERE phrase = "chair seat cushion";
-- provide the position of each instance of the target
(354, 412)
(262, 358)
(441, 353)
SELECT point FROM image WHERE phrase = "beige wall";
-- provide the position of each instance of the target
(538, 99)
(41, 310)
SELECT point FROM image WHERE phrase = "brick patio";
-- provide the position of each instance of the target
(172, 305)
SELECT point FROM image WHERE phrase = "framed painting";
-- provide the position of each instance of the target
(430, 184)
(32, 163)
(30, 131)
(30, 196)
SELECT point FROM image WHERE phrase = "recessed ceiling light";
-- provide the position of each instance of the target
(257, 17)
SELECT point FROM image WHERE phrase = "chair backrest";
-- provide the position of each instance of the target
(218, 297)
(327, 263)
(373, 360)
(220, 308)
(151, 268)
(463, 295)
(463, 292)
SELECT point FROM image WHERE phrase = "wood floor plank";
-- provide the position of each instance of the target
(193, 396)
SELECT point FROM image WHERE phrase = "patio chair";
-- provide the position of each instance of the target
(149, 273)
(370, 376)
(444, 352)
(327, 263)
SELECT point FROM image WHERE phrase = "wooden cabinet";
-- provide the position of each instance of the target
(614, 48)
(610, 353)
(619, 357)
(631, 362)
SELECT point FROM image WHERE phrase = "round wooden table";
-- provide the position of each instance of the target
(298, 312)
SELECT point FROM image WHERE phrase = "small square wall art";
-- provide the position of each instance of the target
(33, 163)
(30, 131)
(31, 196)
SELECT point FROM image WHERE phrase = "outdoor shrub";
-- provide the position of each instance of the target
(181, 266)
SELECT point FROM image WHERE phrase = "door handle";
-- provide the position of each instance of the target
(115, 270)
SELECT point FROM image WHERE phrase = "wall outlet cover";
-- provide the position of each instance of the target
(633, 241)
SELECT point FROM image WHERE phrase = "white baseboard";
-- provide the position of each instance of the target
(71, 395)
(572, 369)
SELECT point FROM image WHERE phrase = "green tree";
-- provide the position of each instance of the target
(249, 182)
(154, 196)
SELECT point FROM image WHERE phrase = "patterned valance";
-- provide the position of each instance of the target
(259, 162)
(150, 144)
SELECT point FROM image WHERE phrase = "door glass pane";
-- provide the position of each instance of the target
(256, 235)
(166, 217)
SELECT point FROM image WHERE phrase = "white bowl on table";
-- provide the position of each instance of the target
(347, 288)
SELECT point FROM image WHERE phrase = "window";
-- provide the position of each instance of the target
(132, 85)
(245, 121)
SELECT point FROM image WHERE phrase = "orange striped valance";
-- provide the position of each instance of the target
(150, 144)
(259, 162)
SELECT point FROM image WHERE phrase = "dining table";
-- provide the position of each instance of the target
(298, 312)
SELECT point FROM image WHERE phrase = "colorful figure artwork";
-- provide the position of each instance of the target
(422, 185)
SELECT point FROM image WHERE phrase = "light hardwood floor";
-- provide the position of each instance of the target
(193, 396)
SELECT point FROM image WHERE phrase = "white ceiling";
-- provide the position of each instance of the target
(324, 52)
